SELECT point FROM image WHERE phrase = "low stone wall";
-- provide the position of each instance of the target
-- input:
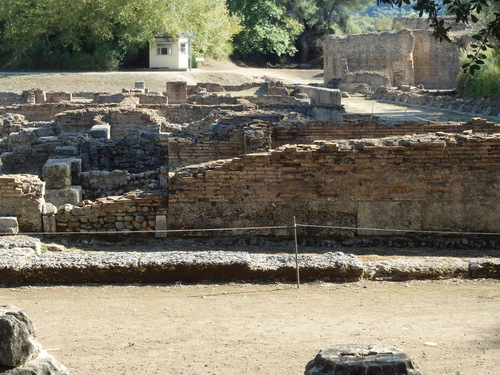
(21, 196)
(9, 98)
(321, 95)
(330, 131)
(475, 106)
(98, 184)
(43, 111)
(412, 183)
(121, 120)
(58, 96)
(134, 211)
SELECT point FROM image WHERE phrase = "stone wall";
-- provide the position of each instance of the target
(388, 52)
(9, 98)
(58, 96)
(134, 211)
(406, 57)
(474, 106)
(436, 63)
(427, 182)
(22, 196)
(98, 184)
(245, 135)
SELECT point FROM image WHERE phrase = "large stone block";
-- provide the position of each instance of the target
(60, 197)
(76, 169)
(472, 216)
(9, 225)
(101, 131)
(321, 95)
(400, 216)
(360, 359)
(18, 343)
(57, 174)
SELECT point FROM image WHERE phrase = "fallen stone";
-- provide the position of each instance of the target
(9, 225)
(18, 343)
(44, 364)
(361, 359)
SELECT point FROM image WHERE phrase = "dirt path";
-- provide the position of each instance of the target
(448, 327)
(399, 113)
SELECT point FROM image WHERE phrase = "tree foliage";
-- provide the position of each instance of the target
(97, 34)
(281, 27)
(268, 28)
(485, 13)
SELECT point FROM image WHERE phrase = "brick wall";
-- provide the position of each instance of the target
(427, 182)
(22, 196)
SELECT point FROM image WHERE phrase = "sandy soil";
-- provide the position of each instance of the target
(448, 327)
(220, 72)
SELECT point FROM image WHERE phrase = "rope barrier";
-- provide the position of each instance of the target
(166, 231)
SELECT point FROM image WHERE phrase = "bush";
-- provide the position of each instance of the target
(485, 82)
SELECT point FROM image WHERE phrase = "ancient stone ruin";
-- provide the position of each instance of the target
(20, 351)
(117, 163)
(411, 56)
(360, 359)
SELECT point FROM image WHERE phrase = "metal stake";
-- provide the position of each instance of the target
(296, 252)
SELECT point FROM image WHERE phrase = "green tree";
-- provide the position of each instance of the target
(268, 28)
(482, 12)
(322, 17)
(209, 20)
(97, 34)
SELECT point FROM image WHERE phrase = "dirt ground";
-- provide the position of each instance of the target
(448, 327)
(220, 72)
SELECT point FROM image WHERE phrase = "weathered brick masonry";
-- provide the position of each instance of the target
(428, 182)
(22, 196)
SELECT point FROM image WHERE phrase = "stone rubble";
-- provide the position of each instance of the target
(21, 262)
(20, 351)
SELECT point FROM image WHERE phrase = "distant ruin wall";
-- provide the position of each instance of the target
(436, 64)
(426, 182)
(407, 57)
(388, 52)
(22, 196)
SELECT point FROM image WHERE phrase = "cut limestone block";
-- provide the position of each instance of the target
(60, 197)
(100, 131)
(361, 359)
(9, 225)
(57, 174)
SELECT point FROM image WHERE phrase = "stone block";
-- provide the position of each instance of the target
(18, 343)
(76, 169)
(161, 226)
(100, 131)
(66, 151)
(360, 359)
(140, 85)
(60, 197)
(57, 174)
(321, 95)
(402, 216)
(9, 225)
(474, 216)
